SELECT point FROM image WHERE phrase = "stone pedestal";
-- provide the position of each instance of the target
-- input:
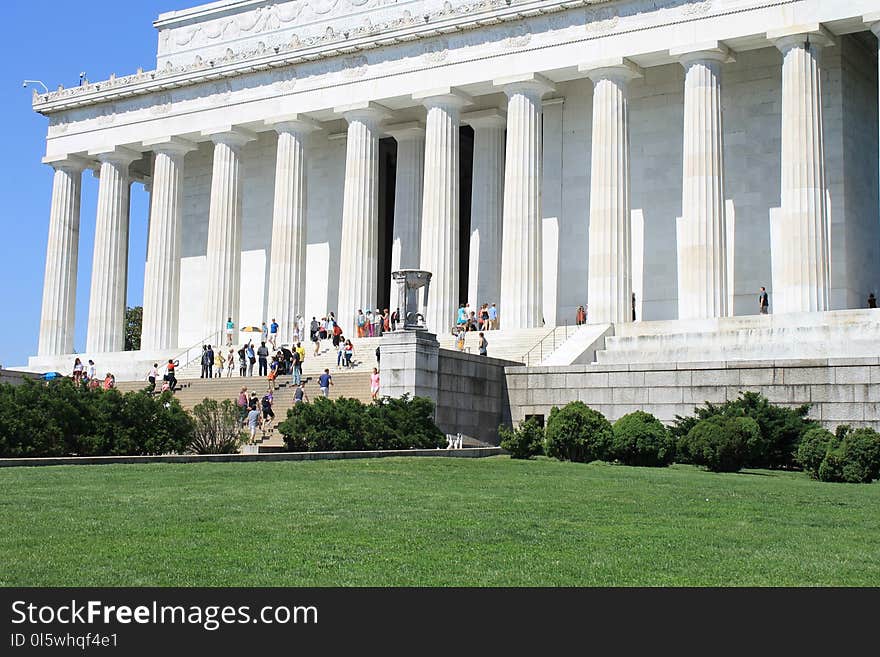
(410, 364)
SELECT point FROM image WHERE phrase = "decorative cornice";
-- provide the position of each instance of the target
(471, 14)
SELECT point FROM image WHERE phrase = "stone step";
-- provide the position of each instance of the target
(833, 334)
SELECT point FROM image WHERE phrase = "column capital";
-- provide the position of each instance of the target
(369, 113)
(814, 33)
(169, 145)
(70, 163)
(403, 131)
(872, 20)
(713, 51)
(230, 135)
(118, 155)
(293, 123)
(530, 83)
(619, 69)
(446, 97)
(490, 118)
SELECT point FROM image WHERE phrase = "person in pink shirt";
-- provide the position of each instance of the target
(374, 384)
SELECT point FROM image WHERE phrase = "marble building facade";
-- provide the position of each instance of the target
(534, 153)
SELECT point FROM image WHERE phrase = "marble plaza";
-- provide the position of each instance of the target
(657, 160)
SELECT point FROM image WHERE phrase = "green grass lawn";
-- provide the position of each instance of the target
(431, 522)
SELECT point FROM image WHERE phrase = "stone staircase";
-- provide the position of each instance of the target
(504, 344)
(346, 383)
(831, 334)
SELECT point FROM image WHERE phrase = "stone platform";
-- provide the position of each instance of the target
(832, 334)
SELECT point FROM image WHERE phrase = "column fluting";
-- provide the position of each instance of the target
(439, 252)
(702, 232)
(162, 271)
(359, 252)
(609, 286)
(801, 254)
(287, 264)
(62, 252)
(224, 232)
(408, 194)
(521, 302)
(106, 325)
(487, 203)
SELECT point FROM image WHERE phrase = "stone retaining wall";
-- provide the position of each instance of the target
(842, 391)
(467, 452)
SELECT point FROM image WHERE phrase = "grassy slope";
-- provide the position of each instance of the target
(431, 522)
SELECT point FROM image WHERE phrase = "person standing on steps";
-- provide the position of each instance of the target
(230, 329)
(264, 332)
(263, 354)
(484, 345)
(273, 333)
(297, 367)
(251, 358)
(374, 385)
(324, 382)
(202, 360)
(218, 362)
(395, 318)
(872, 301)
(242, 362)
(763, 301)
(493, 317)
(242, 403)
(230, 363)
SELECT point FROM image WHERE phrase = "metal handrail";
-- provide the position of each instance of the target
(540, 346)
(184, 356)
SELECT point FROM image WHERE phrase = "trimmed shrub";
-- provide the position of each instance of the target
(63, 419)
(722, 444)
(216, 428)
(781, 428)
(855, 459)
(640, 439)
(347, 424)
(576, 432)
(813, 448)
(526, 442)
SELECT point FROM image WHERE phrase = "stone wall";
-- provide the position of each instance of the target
(842, 391)
(471, 395)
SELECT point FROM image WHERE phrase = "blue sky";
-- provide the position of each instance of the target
(53, 41)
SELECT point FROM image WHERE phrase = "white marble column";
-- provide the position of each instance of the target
(162, 271)
(439, 252)
(521, 302)
(62, 249)
(487, 202)
(224, 231)
(609, 286)
(801, 250)
(702, 228)
(287, 264)
(106, 326)
(408, 189)
(359, 252)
